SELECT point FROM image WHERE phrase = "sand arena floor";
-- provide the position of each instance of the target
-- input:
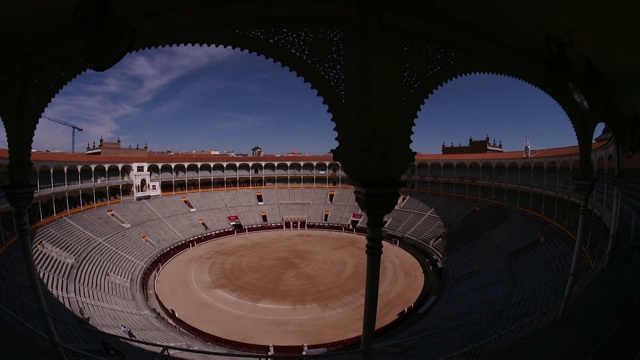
(285, 287)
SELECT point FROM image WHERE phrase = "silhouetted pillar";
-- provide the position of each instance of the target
(376, 201)
(20, 110)
(613, 224)
(20, 197)
(584, 187)
(374, 136)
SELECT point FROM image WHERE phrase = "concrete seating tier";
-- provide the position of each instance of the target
(64, 236)
(336, 213)
(167, 205)
(294, 209)
(247, 198)
(207, 200)
(427, 229)
(186, 225)
(316, 212)
(320, 196)
(270, 196)
(134, 212)
(397, 219)
(216, 218)
(349, 210)
(492, 282)
(16, 295)
(498, 269)
(230, 198)
(246, 215)
(410, 223)
(271, 209)
(302, 195)
(97, 222)
(343, 196)
(411, 204)
(286, 195)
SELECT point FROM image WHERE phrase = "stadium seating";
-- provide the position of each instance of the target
(496, 276)
(500, 266)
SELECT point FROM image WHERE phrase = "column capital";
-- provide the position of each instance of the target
(377, 199)
(19, 196)
(583, 186)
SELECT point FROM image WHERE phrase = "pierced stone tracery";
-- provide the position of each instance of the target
(420, 61)
(322, 48)
(52, 78)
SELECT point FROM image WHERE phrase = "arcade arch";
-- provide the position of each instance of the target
(297, 91)
(503, 108)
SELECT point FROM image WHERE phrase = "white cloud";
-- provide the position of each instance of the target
(97, 102)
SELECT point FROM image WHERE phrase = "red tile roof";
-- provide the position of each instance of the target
(507, 155)
(213, 158)
(164, 158)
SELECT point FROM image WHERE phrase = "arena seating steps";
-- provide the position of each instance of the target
(483, 279)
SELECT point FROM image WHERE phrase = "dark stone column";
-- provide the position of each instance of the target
(374, 136)
(20, 197)
(376, 200)
(584, 187)
(613, 224)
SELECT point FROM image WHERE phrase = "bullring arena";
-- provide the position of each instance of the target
(495, 254)
(528, 252)
(285, 287)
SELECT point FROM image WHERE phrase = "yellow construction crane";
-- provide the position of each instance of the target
(72, 126)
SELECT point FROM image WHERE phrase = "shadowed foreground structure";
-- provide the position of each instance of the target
(374, 65)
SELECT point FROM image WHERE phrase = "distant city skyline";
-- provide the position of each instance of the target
(190, 98)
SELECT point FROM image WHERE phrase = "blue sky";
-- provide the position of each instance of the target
(214, 98)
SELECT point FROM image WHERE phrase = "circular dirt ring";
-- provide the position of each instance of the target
(285, 287)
